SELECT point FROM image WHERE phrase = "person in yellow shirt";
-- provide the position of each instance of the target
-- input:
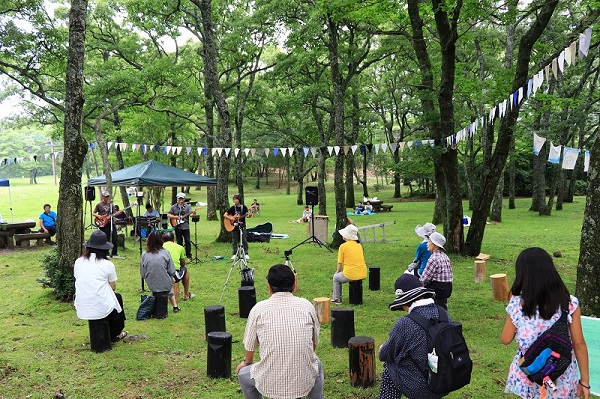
(351, 265)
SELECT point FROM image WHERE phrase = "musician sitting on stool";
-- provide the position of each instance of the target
(237, 214)
(102, 212)
(178, 255)
(179, 215)
(48, 222)
(153, 215)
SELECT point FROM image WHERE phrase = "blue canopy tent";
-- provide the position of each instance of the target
(6, 183)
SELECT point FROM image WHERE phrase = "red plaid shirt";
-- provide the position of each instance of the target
(438, 268)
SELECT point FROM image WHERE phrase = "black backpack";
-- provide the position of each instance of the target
(445, 340)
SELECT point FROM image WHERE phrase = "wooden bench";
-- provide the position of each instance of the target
(23, 239)
(386, 208)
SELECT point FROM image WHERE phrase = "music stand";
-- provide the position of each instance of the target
(195, 259)
(312, 238)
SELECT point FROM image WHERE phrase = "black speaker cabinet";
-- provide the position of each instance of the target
(90, 193)
(312, 195)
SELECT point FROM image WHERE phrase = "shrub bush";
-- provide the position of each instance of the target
(61, 281)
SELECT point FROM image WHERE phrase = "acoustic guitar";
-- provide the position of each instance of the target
(103, 220)
(177, 220)
(230, 224)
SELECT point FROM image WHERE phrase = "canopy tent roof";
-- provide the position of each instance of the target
(153, 174)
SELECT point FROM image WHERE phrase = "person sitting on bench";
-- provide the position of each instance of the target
(48, 221)
(95, 284)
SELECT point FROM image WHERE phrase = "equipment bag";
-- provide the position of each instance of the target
(450, 365)
(146, 308)
(550, 354)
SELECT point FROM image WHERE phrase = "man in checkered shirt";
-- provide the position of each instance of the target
(287, 330)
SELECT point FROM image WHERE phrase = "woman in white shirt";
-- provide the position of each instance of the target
(95, 283)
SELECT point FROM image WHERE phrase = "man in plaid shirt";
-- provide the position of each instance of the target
(287, 330)
(438, 272)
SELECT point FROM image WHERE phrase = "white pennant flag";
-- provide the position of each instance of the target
(134, 147)
(305, 149)
(337, 150)
(520, 95)
(354, 148)
(199, 151)
(554, 154)
(213, 151)
(283, 151)
(236, 152)
(561, 62)
(267, 152)
(586, 161)
(409, 144)
(330, 149)
(384, 147)
(220, 151)
(188, 150)
(568, 58)
(376, 149)
(247, 151)
(109, 144)
(584, 42)
(313, 151)
(395, 147)
(290, 151)
(538, 143)
(168, 149)
(570, 158)
(178, 150)
(227, 151)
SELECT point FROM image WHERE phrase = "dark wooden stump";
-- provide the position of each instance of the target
(342, 327)
(374, 278)
(362, 361)
(246, 300)
(161, 304)
(356, 292)
(99, 335)
(218, 360)
(214, 319)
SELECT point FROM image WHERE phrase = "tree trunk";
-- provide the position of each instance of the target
(511, 176)
(69, 230)
(587, 287)
(496, 214)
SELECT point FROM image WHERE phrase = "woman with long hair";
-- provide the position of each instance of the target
(95, 284)
(538, 298)
(157, 268)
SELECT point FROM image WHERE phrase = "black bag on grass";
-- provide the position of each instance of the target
(146, 308)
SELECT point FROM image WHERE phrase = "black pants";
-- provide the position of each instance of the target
(114, 239)
(116, 320)
(235, 239)
(442, 292)
(182, 235)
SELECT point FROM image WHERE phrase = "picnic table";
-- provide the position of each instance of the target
(8, 231)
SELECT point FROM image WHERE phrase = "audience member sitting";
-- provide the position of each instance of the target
(368, 209)
(306, 216)
(359, 208)
(351, 265)
(48, 222)
(254, 207)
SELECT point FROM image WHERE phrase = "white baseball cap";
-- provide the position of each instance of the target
(181, 195)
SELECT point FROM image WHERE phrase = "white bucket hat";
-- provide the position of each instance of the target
(181, 195)
(426, 230)
(437, 239)
(349, 232)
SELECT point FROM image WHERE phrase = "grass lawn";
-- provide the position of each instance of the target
(45, 347)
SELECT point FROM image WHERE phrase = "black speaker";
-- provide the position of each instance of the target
(90, 193)
(312, 195)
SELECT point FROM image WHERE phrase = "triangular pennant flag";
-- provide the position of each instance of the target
(220, 151)
(205, 150)
(134, 147)
(109, 144)
(561, 62)
(291, 151)
(538, 143)
(568, 58)
(267, 152)
(363, 149)
(395, 146)
(306, 149)
(275, 151)
(253, 151)
(213, 151)
(283, 151)
(409, 144)
(570, 158)
(520, 95)
(586, 161)
(547, 72)
(573, 48)
(236, 152)
(384, 147)
(178, 150)
(555, 68)
(246, 151)
(330, 150)
(188, 150)
(168, 149)
(354, 148)
(346, 149)
(376, 149)
(336, 148)
(584, 42)
(199, 151)
(554, 154)
(370, 147)
(313, 151)
(227, 151)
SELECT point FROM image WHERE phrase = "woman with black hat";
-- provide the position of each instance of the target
(405, 352)
(95, 283)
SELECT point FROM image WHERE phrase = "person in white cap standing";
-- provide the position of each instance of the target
(438, 273)
(179, 214)
(351, 265)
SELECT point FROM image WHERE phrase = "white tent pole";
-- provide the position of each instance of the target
(10, 202)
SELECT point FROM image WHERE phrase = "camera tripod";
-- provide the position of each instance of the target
(195, 259)
(313, 237)
(91, 225)
(239, 260)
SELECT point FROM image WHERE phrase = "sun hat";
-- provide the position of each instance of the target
(105, 194)
(438, 239)
(281, 276)
(425, 230)
(98, 241)
(349, 232)
(408, 289)
(181, 195)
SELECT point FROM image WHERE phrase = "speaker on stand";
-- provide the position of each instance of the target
(90, 195)
(312, 199)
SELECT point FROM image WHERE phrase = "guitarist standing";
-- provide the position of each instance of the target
(237, 214)
(180, 213)
(103, 212)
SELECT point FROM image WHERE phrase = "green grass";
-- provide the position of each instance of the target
(45, 347)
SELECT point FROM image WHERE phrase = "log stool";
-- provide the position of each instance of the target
(362, 361)
(322, 306)
(161, 302)
(500, 289)
(218, 360)
(99, 335)
(479, 271)
(246, 300)
(356, 292)
(374, 278)
(342, 327)
(214, 319)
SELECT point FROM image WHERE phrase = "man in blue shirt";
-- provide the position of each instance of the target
(48, 221)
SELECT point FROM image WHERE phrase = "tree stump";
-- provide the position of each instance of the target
(374, 278)
(479, 271)
(342, 327)
(218, 359)
(356, 292)
(361, 352)
(99, 335)
(214, 319)
(246, 300)
(321, 305)
(500, 289)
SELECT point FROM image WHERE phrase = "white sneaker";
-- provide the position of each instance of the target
(247, 256)
(234, 257)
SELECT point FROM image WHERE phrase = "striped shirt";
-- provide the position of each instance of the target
(286, 328)
(438, 268)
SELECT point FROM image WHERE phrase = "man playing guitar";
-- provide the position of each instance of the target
(180, 212)
(237, 214)
(103, 212)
